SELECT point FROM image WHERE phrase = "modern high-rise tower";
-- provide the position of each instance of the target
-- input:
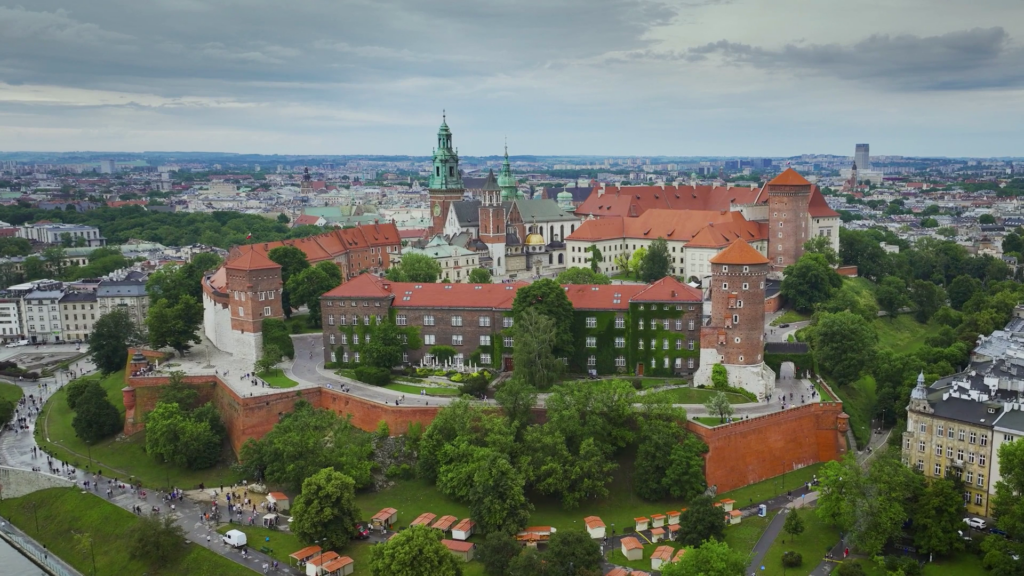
(862, 156)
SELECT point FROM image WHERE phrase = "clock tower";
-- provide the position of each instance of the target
(445, 180)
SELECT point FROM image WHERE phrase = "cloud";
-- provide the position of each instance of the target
(979, 58)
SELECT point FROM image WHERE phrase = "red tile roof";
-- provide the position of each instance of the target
(425, 519)
(817, 207)
(410, 294)
(739, 252)
(337, 564)
(305, 552)
(331, 244)
(601, 297)
(384, 514)
(444, 523)
(323, 559)
(307, 220)
(663, 553)
(464, 525)
(632, 201)
(718, 235)
(789, 178)
(250, 259)
(458, 545)
(631, 543)
(593, 522)
(668, 289)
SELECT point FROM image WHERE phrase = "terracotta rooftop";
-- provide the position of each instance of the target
(601, 297)
(464, 525)
(593, 522)
(718, 235)
(632, 201)
(423, 519)
(251, 260)
(662, 553)
(337, 564)
(305, 552)
(458, 545)
(789, 178)
(739, 252)
(631, 543)
(323, 559)
(384, 514)
(444, 523)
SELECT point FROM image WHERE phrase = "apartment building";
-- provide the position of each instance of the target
(79, 312)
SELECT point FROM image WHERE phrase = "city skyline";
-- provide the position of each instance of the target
(605, 78)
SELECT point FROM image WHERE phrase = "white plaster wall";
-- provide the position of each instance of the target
(757, 378)
(817, 224)
(17, 482)
(217, 327)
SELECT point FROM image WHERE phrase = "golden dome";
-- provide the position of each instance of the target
(534, 240)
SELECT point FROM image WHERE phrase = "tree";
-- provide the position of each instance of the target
(283, 218)
(574, 473)
(986, 219)
(56, 260)
(155, 540)
(177, 392)
(929, 223)
(415, 268)
(810, 281)
(961, 290)
(497, 501)
(479, 276)
(711, 558)
(937, 517)
(844, 345)
(112, 334)
(572, 551)
(496, 553)
(174, 435)
(669, 459)
(582, 276)
(528, 563)
(517, 399)
(1007, 504)
(548, 298)
(306, 287)
(95, 416)
(331, 270)
(701, 521)
(636, 260)
(719, 377)
(719, 405)
(35, 268)
(892, 295)
(442, 353)
(175, 325)
(927, 298)
(794, 524)
(822, 245)
(275, 333)
(533, 355)
(295, 449)
(292, 261)
(270, 358)
(595, 258)
(326, 511)
(385, 347)
(416, 551)
(622, 261)
(657, 263)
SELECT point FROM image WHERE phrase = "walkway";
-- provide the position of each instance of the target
(35, 551)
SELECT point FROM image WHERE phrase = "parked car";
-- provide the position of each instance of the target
(17, 343)
(362, 532)
(783, 325)
(975, 523)
(995, 530)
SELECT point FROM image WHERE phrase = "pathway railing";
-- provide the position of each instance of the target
(34, 551)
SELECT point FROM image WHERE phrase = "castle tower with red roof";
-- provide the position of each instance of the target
(789, 196)
(238, 298)
(734, 337)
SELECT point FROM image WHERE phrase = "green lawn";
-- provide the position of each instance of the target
(123, 458)
(789, 317)
(615, 555)
(64, 512)
(859, 402)
(743, 536)
(771, 487)
(10, 392)
(709, 420)
(415, 390)
(282, 543)
(817, 537)
(277, 379)
(299, 324)
(962, 564)
(902, 334)
(695, 396)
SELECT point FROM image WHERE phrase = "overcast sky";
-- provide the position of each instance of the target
(615, 77)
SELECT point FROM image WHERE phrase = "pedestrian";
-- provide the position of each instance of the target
(846, 553)
(207, 540)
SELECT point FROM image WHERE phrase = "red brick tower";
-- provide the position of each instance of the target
(788, 224)
(736, 330)
(492, 233)
(254, 291)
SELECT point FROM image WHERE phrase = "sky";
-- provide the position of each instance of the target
(554, 77)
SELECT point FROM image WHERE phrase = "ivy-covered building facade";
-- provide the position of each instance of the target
(649, 330)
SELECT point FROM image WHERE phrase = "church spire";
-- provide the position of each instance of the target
(506, 181)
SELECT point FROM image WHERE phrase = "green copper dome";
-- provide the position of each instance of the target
(445, 175)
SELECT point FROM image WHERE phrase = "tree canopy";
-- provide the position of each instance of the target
(175, 325)
(844, 345)
(112, 334)
(810, 281)
(325, 510)
(415, 268)
(582, 276)
(657, 263)
(479, 276)
(415, 551)
(546, 297)
(535, 338)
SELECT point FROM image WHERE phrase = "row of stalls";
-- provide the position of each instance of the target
(320, 563)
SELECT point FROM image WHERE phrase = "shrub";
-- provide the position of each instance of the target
(474, 384)
(275, 333)
(792, 559)
(637, 383)
(719, 376)
(371, 375)
(907, 565)
(402, 471)
(850, 568)
(456, 378)
(79, 388)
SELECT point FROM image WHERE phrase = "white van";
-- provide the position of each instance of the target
(17, 343)
(234, 538)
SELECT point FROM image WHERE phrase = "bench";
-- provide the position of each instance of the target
(266, 550)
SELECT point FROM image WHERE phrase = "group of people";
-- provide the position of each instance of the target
(28, 408)
(253, 379)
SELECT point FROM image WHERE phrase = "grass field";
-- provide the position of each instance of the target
(772, 487)
(615, 555)
(10, 392)
(695, 396)
(789, 317)
(277, 379)
(817, 538)
(123, 458)
(709, 420)
(64, 512)
(902, 334)
(859, 402)
(743, 536)
(415, 390)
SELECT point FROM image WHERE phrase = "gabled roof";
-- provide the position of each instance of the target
(593, 522)
(458, 545)
(540, 211)
(362, 286)
(789, 178)
(490, 183)
(817, 207)
(337, 564)
(673, 225)
(739, 252)
(663, 553)
(718, 235)
(601, 297)
(631, 543)
(250, 259)
(668, 289)
(632, 201)
(467, 212)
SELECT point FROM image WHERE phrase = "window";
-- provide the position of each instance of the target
(960, 454)
(978, 499)
(981, 480)
(1007, 438)
(923, 427)
(620, 342)
(428, 320)
(357, 357)
(664, 344)
(665, 324)
(970, 457)
(263, 296)
(266, 310)
(906, 445)
(378, 318)
(939, 431)
(962, 434)
(400, 320)
(344, 357)
(332, 338)
(506, 322)
(241, 311)
(984, 439)
(746, 286)
(735, 318)
(343, 319)
(690, 325)
(428, 339)
(938, 469)
(654, 324)
(665, 362)
(485, 321)
(974, 437)
(640, 344)
(920, 464)
(344, 338)
(970, 477)
(456, 339)
(689, 363)
(591, 342)
(640, 324)
(485, 339)
(679, 343)
(679, 324)
(485, 359)
(920, 446)
(938, 449)
(949, 433)
(591, 322)
(654, 344)
(620, 361)
(270, 296)
(330, 319)
(355, 339)
(366, 319)
(981, 459)
(456, 320)
(725, 285)
(509, 342)
(592, 361)
(620, 322)
(949, 451)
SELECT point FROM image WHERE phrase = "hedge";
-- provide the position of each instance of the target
(275, 332)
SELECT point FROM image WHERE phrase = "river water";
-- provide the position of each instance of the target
(14, 564)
